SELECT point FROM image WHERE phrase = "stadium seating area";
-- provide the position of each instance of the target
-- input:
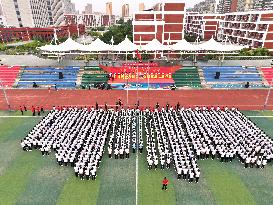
(8, 75)
(187, 76)
(93, 75)
(44, 77)
(268, 75)
(233, 77)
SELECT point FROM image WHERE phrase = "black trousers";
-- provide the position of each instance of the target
(197, 179)
(164, 187)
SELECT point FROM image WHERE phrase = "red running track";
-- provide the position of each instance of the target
(243, 99)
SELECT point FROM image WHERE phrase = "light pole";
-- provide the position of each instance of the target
(137, 83)
(5, 94)
(148, 76)
(268, 94)
(127, 91)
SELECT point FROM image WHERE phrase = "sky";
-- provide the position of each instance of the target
(99, 5)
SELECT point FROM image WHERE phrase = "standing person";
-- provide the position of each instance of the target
(110, 152)
(97, 106)
(165, 183)
(117, 106)
(119, 102)
(178, 106)
(33, 110)
(167, 106)
(38, 111)
(25, 108)
(157, 106)
(42, 109)
(21, 110)
(106, 107)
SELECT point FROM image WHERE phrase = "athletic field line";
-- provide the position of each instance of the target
(19, 116)
(137, 162)
(257, 116)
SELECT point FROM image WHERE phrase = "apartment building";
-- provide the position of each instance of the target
(165, 23)
(205, 26)
(90, 20)
(35, 13)
(252, 28)
(59, 9)
(125, 10)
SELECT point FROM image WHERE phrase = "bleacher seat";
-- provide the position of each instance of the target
(268, 75)
(187, 77)
(44, 77)
(93, 75)
(8, 75)
(233, 77)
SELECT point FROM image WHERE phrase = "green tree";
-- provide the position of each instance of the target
(255, 52)
(118, 32)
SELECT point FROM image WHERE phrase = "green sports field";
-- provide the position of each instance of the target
(31, 179)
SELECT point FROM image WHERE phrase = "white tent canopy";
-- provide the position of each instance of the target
(97, 45)
(213, 45)
(155, 45)
(184, 45)
(233, 47)
(50, 48)
(70, 45)
(125, 45)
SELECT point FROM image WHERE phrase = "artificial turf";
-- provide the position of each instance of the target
(29, 178)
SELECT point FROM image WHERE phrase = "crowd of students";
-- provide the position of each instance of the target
(177, 137)
(76, 135)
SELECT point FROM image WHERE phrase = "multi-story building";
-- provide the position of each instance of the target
(26, 34)
(205, 26)
(90, 20)
(224, 6)
(109, 8)
(207, 6)
(88, 9)
(35, 13)
(252, 28)
(125, 10)
(2, 17)
(141, 7)
(245, 5)
(164, 23)
(263, 5)
(59, 9)
(25, 13)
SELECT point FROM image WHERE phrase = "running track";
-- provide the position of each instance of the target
(243, 99)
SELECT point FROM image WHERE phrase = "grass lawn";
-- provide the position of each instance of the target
(31, 179)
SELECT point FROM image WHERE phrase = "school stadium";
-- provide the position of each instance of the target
(109, 134)
(175, 109)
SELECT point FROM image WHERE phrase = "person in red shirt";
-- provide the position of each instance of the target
(38, 111)
(42, 109)
(33, 110)
(21, 109)
(165, 183)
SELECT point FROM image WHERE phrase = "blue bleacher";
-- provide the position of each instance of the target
(49, 77)
(232, 77)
